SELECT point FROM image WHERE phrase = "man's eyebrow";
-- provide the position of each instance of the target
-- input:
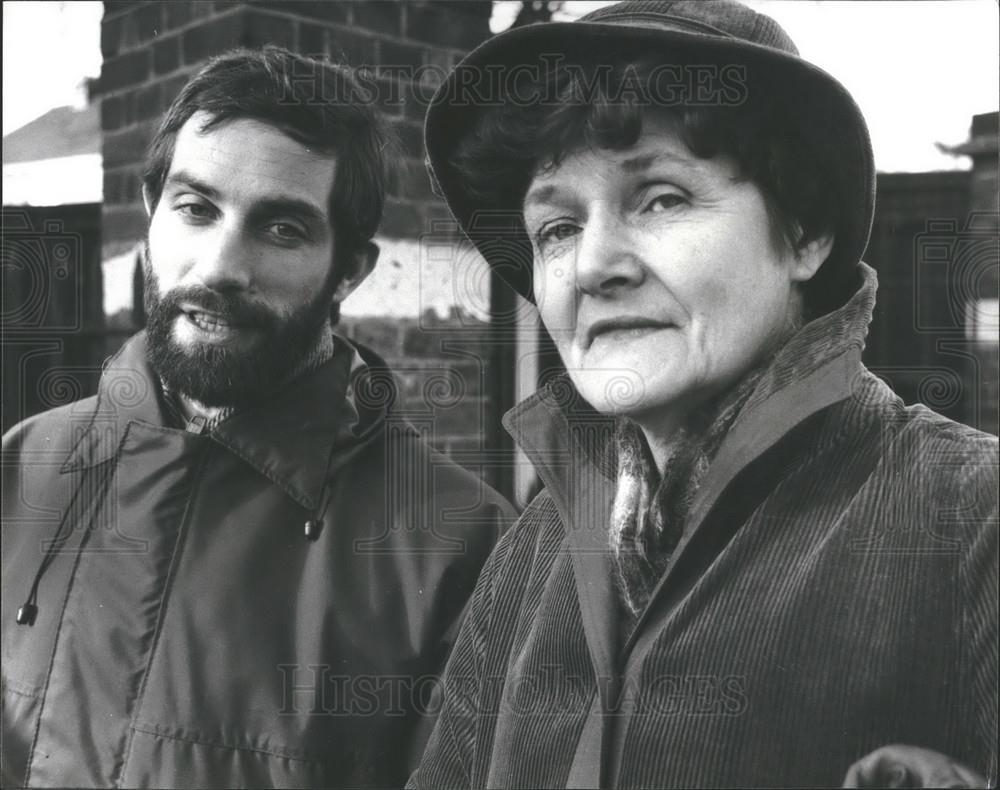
(267, 206)
(283, 204)
(183, 178)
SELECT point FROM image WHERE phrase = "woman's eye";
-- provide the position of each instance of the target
(665, 201)
(557, 231)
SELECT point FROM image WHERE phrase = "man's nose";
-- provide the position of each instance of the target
(607, 259)
(224, 261)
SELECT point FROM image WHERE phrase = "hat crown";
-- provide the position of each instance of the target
(722, 18)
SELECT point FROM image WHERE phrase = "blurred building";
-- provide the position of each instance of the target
(55, 159)
(53, 318)
(936, 248)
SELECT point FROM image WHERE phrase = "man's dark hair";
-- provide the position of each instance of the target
(598, 106)
(317, 103)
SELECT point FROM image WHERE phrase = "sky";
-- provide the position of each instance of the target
(48, 50)
(919, 70)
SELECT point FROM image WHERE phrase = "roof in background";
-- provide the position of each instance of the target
(62, 131)
(982, 137)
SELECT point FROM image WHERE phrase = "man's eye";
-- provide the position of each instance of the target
(197, 211)
(665, 202)
(285, 231)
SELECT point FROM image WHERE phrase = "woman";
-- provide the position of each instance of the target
(751, 563)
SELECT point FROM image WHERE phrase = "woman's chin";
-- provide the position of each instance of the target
(611, 391)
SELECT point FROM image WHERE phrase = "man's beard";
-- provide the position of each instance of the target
(216, 375)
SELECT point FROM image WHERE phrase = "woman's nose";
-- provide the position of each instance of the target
(607, 259)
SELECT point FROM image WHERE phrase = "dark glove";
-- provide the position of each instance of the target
(910, 766)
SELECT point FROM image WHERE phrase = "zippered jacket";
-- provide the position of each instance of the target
(188, 632)
(834, 591)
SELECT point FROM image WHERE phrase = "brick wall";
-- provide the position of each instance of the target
(419, 318)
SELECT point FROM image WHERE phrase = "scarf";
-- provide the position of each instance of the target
(650, 509)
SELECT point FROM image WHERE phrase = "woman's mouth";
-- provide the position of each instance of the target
(625, 328)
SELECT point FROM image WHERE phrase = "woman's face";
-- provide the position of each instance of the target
(656, 274)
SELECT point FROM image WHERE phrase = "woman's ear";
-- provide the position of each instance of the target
(807, 259)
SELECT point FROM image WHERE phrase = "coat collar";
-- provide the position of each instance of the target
(295, 440)
(570, 444)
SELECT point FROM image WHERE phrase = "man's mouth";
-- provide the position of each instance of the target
(211, 324)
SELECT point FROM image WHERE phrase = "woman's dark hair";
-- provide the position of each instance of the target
(603, 105)
(317, 103)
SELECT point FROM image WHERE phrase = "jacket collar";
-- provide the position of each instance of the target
(295, 439)
(570, 444)
(817, 368)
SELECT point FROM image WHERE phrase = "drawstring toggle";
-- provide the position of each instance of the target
(312, 528)
(26, 614)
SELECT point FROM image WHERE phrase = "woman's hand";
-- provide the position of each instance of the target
(910, 766)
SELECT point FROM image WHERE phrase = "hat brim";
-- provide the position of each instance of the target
(824, 110)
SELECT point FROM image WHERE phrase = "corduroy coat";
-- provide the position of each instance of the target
(835, 591)
(189, 634)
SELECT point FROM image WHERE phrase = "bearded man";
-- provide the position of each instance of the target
(236, 565)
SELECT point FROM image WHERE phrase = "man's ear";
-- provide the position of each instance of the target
(357, 268)
(147, 201)
(810, 256)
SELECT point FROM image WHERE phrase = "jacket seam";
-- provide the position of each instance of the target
(44, 691)
(33, 694)
(156, 732)
(161, 614)
(76, 448)
(458, 748)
